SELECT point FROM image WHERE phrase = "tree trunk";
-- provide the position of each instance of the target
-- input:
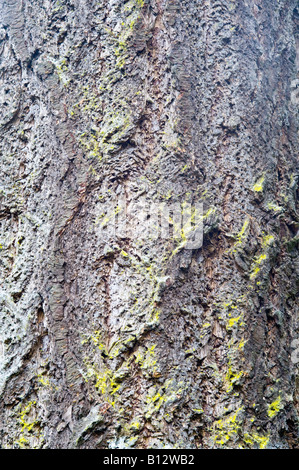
(113, 340)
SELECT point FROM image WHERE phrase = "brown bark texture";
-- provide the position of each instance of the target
(115, 341)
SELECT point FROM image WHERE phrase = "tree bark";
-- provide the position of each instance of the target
(112, 341)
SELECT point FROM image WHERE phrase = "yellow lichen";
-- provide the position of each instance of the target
(147, 360)
(259, 185)
(252, 438)
(29, 426)
(232, 322)
(274, 407)
(226, 429)
(243, 233)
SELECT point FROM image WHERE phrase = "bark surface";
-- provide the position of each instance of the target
(117, 342)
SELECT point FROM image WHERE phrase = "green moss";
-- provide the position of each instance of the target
(291, 244)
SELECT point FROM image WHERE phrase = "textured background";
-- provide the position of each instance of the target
(116, 342)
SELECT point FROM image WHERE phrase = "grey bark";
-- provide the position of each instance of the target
(113, 342)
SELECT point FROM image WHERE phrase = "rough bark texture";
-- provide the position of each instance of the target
(114, 343)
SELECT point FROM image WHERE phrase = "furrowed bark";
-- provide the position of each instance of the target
(116, 341)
